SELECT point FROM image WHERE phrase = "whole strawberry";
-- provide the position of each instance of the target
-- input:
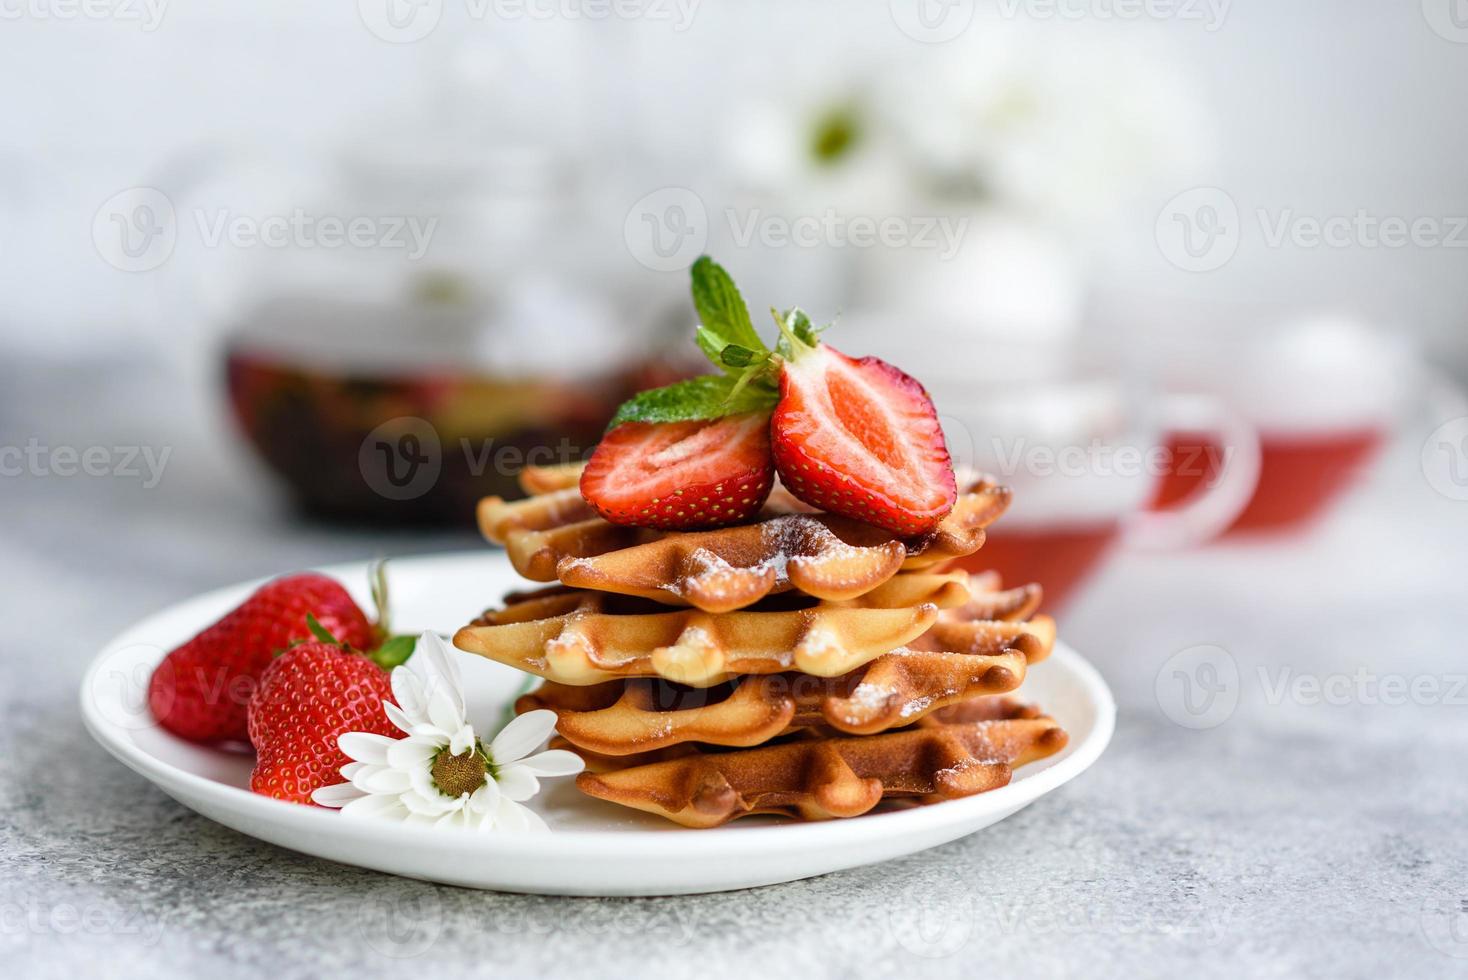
(200, 691)
(309, 696)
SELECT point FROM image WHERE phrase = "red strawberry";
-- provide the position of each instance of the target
(200, 690)
(861, 438)
(678, 475)
(308, 697)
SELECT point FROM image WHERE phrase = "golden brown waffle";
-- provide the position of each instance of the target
(558, 535)
(817, 779)
(578, 638)
(545, 479)
(896, 689)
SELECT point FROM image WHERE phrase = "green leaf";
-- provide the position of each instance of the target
(796, 330)
(725, 318)
(709, 396)
(395, 652)
(320, 632)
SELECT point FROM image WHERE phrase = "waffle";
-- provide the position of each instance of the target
(579, 638)
(822, 778)
(896, 689)
(557, 535)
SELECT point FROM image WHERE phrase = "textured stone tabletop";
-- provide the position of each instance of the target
(1320, 828)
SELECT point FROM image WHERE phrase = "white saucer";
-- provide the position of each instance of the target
(596, 848)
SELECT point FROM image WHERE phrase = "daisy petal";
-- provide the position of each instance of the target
(427, 805)
(407, 691)
(517, 782)
(525, 734)
(366, 747)
(413, 752)
(486, 799)
(375, 806)
(336, 796)
(384, 780)
(553, 762)
(398, 717)
(511, 817)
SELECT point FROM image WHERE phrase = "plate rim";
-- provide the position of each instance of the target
(564, 844)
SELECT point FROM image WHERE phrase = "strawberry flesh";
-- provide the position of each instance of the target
(310, 696)
(681, 475)
(859, 437)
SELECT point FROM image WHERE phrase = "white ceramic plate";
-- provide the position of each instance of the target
(596, 848)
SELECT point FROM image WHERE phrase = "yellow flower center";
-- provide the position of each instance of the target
(455, 775)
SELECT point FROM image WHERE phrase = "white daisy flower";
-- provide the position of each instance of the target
(442, 774)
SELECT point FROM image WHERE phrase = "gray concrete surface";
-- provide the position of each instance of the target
(1316, 829)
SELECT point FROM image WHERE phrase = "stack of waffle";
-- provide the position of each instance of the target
(805, 664)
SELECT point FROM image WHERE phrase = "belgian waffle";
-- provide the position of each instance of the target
(822, 778)
(577, 637)
(557, 536)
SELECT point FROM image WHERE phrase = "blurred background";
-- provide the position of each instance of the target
(1182, 273)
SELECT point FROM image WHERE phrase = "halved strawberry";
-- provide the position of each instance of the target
(679, 475)
(861, 438)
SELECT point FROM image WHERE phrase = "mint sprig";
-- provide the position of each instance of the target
(709, 396)
(726, 335)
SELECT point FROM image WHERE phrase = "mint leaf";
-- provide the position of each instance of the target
(795, 330)
(724, 316)
(709, 396)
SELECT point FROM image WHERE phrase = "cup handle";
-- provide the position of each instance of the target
(1212, 508)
